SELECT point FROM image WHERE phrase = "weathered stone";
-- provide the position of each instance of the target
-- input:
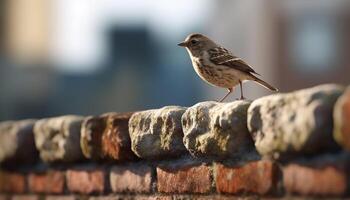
(17, 143)
(300, 122)
(184, 197)
(341, 116)
(157, 133)
(217, 130)
(107, 137)
(58, 139)
(132, 197)
(92, 129)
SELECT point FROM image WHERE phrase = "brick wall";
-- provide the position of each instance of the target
(279, 146)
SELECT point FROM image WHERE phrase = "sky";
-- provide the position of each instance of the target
(78, 26)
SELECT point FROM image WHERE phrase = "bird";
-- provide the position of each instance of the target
(218, 66)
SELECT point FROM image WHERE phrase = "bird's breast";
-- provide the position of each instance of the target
(216, 75)
(212, 74)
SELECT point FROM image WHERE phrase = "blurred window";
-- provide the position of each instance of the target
(313, 43)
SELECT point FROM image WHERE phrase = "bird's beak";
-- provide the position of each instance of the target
(182, 44)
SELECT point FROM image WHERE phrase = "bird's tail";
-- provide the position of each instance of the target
(264, 84)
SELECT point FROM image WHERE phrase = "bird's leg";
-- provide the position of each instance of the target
(240, 85)
(229, 92)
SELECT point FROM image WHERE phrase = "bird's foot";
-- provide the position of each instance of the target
(241, 98)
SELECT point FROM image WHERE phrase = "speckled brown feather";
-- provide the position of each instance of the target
(221, 56)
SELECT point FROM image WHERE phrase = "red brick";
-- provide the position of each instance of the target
(4, 197)
(131, 178)
(306, 180)
(11, 182)
(131, 197)
(25, 197)
(60, 197)
(85, 182)
(186, 179)
(109, 197)
(50, 182)
(154, 197)
(260, 177)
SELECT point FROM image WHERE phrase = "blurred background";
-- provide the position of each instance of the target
(90, 57)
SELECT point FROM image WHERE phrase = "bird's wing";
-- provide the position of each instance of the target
(221, 56)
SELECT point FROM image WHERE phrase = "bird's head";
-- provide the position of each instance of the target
(196, 43)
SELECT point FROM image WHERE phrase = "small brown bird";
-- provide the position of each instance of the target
(217, 66)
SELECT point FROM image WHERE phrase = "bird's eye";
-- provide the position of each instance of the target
(194, 42)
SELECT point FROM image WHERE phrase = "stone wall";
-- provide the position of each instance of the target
(281, 146)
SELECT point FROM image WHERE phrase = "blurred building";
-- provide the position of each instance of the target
(314, 43)
(26, 30)
(293, 44)
(65, 57)
(77, 57)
